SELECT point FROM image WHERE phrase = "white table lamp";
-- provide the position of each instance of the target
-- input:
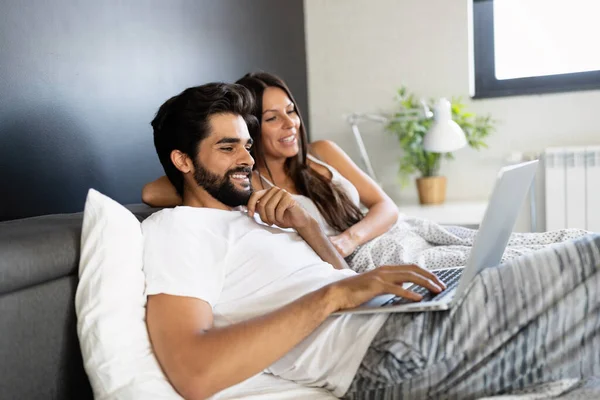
(444, 136)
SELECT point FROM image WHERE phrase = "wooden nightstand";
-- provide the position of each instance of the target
(463, 213)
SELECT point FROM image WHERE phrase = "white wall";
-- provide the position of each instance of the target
(360, 51)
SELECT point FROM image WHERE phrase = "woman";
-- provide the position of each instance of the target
(326, 182)
(321, 176)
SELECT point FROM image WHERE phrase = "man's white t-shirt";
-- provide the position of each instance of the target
(244, 268)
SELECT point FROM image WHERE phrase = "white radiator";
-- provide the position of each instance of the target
(573, 187)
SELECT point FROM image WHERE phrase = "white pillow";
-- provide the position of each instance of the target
(111, 306)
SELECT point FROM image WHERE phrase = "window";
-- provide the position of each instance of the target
(535, 46)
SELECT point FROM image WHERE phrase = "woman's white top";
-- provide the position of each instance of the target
(337, 179)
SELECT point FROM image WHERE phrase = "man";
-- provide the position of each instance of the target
(233, 291)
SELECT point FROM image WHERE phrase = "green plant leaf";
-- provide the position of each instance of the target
(410, 134)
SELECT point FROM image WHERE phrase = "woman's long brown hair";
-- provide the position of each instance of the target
(333, 203)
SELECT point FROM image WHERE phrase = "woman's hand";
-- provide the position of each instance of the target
(344, 243)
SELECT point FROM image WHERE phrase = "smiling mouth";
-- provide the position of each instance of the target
(288, 139)
(240, 177)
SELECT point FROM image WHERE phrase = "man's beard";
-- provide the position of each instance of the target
(221, 187)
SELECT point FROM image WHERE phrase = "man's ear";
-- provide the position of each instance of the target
(181, 161)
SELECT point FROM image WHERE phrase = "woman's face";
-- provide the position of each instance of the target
(280, 125)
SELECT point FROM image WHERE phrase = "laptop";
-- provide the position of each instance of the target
(512, 184)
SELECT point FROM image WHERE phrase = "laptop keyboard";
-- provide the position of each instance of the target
(449, 276)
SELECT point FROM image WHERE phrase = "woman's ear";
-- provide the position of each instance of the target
(181, 161)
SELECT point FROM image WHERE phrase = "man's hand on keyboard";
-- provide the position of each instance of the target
(354, 291)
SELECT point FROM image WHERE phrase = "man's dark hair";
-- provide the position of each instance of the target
(182, 122)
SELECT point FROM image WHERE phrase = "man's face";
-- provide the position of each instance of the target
(224, 165)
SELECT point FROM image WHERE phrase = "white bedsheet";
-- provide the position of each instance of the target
(269, 387)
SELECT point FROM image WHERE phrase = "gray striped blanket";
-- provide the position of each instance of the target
(529, 328)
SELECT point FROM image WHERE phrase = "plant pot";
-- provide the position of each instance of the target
(432, 189)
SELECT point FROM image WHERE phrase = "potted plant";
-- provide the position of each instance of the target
(410, 133)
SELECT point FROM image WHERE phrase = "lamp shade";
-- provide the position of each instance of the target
(445, 135)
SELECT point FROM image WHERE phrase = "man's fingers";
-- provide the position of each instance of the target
(439, 282)
(420, 271)
(254, 198)
(260, 205)
(399, 277)
(423, 272)
(421, 281)
(270, 205)
(286, 202)
(399, 291)
(429, 275)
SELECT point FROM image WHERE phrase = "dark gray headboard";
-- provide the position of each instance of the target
(81, 80)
